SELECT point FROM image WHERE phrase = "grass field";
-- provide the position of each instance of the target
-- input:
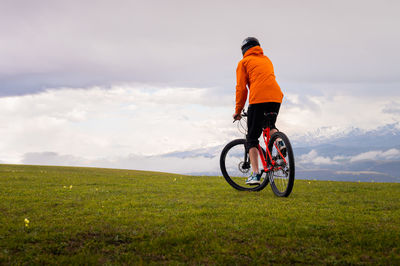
(66, 215)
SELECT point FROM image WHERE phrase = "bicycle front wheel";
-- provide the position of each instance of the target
(236, 168)
(282, 174)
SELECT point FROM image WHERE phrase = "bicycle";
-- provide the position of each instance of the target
(277, 163)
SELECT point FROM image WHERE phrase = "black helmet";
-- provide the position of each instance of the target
(248, 43)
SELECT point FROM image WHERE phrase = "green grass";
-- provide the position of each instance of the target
(134, 217)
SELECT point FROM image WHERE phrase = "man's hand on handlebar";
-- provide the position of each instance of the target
(236, 116)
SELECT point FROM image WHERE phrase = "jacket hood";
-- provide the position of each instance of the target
(256, 50)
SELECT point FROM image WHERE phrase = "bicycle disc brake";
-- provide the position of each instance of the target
(244, 167)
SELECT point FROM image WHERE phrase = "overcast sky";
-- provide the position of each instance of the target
(97, 79)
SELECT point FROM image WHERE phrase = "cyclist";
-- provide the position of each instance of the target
(256, 72)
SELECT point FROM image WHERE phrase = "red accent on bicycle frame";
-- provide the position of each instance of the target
(267, 138)
(279, 151)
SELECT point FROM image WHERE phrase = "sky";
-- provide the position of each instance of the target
(118, 83)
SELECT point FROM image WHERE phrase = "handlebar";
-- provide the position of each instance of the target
(243, 114)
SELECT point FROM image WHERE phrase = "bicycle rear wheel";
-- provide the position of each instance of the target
(236, 168)
(282, 176)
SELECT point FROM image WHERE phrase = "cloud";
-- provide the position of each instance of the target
(171, 164)
(152, 77)
(360, 173)
(393, 108)
(105, 122)
(53, 158)
(313, 158)
(96, 122)
(332, 114)
(377, 155)
(186, 44)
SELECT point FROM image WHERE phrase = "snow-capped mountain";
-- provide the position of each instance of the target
(349, 155)
(387, 135)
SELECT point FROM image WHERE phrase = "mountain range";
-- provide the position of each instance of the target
(351, 155)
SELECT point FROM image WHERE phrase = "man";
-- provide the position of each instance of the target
(256, 72)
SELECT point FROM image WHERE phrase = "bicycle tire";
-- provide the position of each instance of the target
(237, 182)
(282, 186)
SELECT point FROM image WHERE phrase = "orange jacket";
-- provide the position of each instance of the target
(256, 71)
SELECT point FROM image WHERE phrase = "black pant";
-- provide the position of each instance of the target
(256, 120)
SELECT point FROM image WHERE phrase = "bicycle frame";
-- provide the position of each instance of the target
(267, 138)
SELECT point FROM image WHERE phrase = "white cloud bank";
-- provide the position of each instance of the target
(188, 165)
(377, 155)
(313, 158)
(123, 125)
(98, 122)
